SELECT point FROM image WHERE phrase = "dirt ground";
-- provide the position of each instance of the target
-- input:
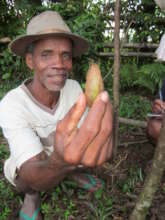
(124, 178)
(133, 157)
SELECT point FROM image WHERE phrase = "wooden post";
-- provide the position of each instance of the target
(153, 179)
(116, 76)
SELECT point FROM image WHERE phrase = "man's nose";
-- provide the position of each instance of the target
(57, 62)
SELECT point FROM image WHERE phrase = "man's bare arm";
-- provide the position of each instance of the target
(89, 145)
(42, 172)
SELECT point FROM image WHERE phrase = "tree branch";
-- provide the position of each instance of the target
(5, 40)
(128, 54)
(152, 181)
(133, 45)
(133, 122)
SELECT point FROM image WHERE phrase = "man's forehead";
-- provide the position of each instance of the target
(56, 40)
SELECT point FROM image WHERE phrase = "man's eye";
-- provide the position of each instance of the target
(44, 54)
(66, 56)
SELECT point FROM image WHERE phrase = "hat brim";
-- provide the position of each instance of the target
(20, 44)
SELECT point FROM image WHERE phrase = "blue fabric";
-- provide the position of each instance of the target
(26, 217)
(92, 182)
(162, 91)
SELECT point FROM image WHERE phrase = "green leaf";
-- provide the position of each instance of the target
(6, 76)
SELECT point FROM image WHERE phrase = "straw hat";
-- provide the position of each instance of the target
(47, 24)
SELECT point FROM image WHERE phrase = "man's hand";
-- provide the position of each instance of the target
(91, 144)
(158, 106)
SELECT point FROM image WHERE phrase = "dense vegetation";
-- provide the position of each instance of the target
(94, 21)
(140, 78)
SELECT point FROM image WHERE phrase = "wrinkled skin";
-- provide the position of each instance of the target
(90, 145)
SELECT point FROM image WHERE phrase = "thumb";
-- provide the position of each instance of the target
(74, 115)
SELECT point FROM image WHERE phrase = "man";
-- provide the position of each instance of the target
(45, 122)
(158, 109)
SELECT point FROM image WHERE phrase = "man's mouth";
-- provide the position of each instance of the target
(58, 78)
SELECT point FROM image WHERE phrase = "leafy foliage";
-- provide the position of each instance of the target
(84, 18)
(145, 18)
(134, 176)
(150, 76)
(13, 71)
(128, 75)
(90, 20)
(147, 77)
(134, 106)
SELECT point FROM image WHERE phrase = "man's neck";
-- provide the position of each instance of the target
(43, 96)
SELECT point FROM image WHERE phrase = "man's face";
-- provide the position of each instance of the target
(51, 61)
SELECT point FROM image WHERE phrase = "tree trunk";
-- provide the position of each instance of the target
(116, 75)
(152, 181)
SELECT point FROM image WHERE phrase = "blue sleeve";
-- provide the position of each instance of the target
(163, 91)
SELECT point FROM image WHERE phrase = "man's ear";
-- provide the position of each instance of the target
(29, 61)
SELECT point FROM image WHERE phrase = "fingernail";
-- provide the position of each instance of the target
(104, 96)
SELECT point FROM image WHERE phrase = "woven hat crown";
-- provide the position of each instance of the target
(45, 25)
(47, 22)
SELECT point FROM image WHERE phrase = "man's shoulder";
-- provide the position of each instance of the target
(13, 92)
(71, 82)
(10, 106)
(70, 93)
(72, 85)
(12, 96)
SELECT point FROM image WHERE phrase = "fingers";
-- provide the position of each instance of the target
(88, 130)
(100, 143)
(92, 153)
(70, 121)
(99, 155)
(106, 152)
(107, 122)
(91, 125)
(103, 156)
(89, 145)
(67, 127)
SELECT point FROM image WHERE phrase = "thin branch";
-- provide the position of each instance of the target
(133, 142)
(128, 54)
(5, 40)
(133, 122)
(133, 45)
